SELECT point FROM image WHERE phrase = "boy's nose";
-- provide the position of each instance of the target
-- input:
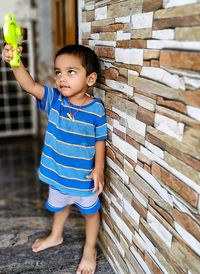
(63, 77)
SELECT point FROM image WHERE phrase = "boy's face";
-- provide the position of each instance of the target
(70, 76)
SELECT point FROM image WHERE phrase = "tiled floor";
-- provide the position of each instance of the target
(23, 217)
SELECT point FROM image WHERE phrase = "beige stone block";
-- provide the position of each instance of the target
(141, 34)
(108, 36)
(119, 262)
(181, 11)
(166, 263)
(168, 255)
(153, 87)
(107, 28)
(174, 147)
(88, 16)
(128, 169)
(124, 8)
(185, 257)
(103, 22)
(187, 34)
(138, 138)
(143, 187)
(151, 54)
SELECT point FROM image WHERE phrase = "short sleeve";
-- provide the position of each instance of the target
(101, 127)
(46, 103)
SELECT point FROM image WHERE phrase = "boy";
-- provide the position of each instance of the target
(72, 161)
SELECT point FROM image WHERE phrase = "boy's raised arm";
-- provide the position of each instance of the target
(22, 76)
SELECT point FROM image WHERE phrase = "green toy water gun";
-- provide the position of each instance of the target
(13, 36)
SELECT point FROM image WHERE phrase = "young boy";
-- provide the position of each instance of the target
(72, 161)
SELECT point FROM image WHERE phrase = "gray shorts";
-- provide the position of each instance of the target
(58, 201)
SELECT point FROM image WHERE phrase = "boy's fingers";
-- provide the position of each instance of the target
(8, 47)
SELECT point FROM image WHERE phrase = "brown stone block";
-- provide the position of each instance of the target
(109, 135)
(112, 114)
(145, 116)
(147, 168)
(149, 5)
(146, 63)
(175, 105)
(155, 63)
(105, 52)
(131, 162)
(146, 93)
(113, 74)
(152, 264)
(140, 44)
(85, 42)
(139, 208)
(88, 16)
(132, 142)
(176, 22)
(166, 214)
(186, 59)
(167, 178)
(187, 222)
(108, 28)
(136, 68)
(122, 135)
(110, 153)
(192, 98)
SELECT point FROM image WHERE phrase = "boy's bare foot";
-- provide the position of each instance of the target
(44, 243)
(88, 261)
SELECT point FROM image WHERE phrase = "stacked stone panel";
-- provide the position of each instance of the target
(150, 84)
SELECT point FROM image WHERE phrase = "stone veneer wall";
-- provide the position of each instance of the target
(149, 51)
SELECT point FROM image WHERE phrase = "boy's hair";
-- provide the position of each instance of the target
(88, 57)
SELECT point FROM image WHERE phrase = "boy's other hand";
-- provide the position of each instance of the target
(98, 178)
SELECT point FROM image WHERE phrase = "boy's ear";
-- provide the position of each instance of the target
(91, 79)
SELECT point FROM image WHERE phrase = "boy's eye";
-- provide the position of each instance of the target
(57, 73)
(71, 71)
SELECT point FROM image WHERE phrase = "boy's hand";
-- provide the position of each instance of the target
(7, 53)
(98, 178)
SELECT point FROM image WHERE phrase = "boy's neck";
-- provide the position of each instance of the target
(79, 100)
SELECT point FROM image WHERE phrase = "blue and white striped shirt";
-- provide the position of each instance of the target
(69, 147)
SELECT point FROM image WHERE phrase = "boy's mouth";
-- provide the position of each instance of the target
(64, 86)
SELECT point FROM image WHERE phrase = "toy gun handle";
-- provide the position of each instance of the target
(15, 62)
(13, 36)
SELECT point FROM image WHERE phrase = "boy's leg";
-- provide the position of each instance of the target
(88, 261)
(56, 236)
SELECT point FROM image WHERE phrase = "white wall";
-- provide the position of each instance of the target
(21, 8)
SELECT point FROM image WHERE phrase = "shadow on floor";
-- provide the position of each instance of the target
(24, 219)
